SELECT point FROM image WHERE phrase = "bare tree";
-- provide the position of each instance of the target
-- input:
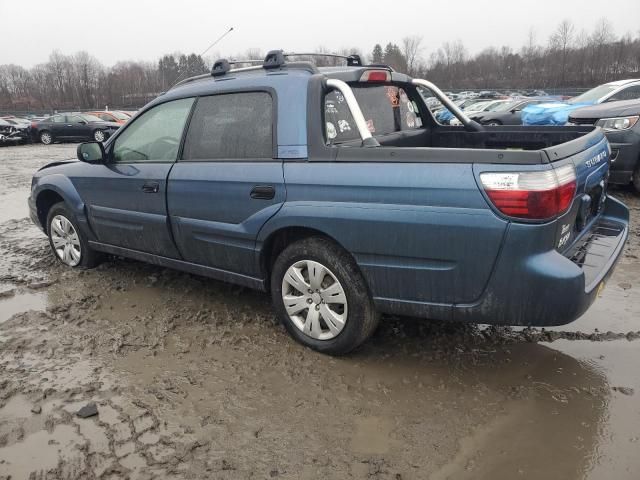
(561, 40)
(411, 49)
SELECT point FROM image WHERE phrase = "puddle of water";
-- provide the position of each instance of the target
(21, 302)
(14, 205)
(36, 454)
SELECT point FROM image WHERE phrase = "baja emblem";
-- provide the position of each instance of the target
(565, 233)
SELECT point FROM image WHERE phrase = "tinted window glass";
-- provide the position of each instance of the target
(155, 136)
(630, 93)
(74, 119)
(386, 109)
(57, 119)
(228, 126)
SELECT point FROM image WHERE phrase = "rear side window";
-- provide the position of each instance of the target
(57, 119)
(231, 126)
(386, 109)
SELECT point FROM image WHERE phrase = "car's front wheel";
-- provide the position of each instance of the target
(321, 297)
(99, 136)
(67, 241)
(46, 138)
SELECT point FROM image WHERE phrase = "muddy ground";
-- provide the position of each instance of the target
(193, 378)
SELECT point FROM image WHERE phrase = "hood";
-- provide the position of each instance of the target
(60, 162)
(611, 109)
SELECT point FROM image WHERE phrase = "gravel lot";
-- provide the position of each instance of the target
(193, 378)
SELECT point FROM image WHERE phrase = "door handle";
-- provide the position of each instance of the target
(151, 187)
(263, 192)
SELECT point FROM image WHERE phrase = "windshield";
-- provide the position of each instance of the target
(91, 118)
(499, 106)
(593, 95)
(477, 107)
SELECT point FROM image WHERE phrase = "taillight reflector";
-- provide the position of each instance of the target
(376, 76)
(531, 195)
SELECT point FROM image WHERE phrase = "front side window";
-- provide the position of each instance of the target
(74, 119)
(155, 136)
(386, 109)
(231, 126)
(57, 119)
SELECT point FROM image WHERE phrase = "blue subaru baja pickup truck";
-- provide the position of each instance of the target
(336, 191)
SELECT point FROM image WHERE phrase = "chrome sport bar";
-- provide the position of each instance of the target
(356, 113)
(452, 107)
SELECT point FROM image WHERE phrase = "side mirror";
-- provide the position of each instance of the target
(82, 122)
(91, 152)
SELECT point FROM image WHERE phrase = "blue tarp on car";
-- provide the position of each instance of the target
(556, 113)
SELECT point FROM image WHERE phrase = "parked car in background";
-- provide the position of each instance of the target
(507, 113)
(621, 124)
(557, 113)
(111, 116)
(479, 108)
(12, 133)
(22, 129)
(73, 126)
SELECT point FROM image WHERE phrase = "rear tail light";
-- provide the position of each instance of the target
(376, 76)
(34, 125)
(531, 195)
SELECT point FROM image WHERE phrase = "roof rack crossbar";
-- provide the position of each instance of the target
(353, 60)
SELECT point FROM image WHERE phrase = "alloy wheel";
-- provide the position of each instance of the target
(99, 136)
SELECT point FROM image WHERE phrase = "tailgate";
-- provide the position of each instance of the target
(590, 156)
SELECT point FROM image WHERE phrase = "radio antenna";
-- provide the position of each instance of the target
(207, 49)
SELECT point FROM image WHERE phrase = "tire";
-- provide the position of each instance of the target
(342, 296)
(493, 123)
(46, 137)
(68, 243)
(99, 135)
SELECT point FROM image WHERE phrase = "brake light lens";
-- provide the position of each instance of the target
(376, 76)
(531, 195)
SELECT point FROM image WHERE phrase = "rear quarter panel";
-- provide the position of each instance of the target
(419, 232)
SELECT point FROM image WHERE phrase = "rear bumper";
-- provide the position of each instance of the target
(543, 288)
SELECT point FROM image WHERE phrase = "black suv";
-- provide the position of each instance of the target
(621, 124)
(73, 126)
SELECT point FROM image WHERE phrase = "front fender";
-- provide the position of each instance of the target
(63, 186)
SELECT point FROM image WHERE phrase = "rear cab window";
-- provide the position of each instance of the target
(231, 126)
(386, 109)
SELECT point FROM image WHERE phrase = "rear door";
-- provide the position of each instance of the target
(126, 197)
(228, 182)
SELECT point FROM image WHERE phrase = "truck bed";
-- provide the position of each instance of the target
(501, 144)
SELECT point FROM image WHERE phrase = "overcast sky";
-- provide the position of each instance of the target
(114, 30)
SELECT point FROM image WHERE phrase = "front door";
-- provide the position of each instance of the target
(77, 127)
(227, 183)
(126, 197)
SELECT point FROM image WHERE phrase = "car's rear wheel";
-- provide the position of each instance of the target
(321, 297)
(46, 137)
(493, 123)
(99, 136)
(67, 241)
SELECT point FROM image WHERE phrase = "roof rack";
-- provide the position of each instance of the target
(274, 59)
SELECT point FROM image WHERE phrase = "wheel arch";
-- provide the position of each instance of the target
(278, 239)
(55, 189)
